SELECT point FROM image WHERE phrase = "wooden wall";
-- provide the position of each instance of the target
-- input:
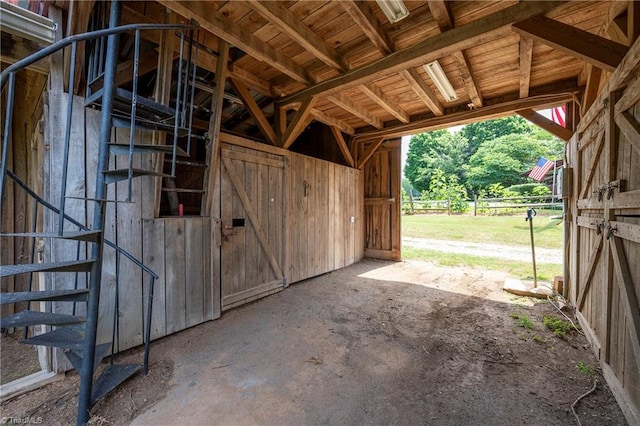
(324, 216)
(604, 157)
(321, 228)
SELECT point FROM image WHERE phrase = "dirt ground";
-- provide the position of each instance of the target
(375, 343)
(16, 360)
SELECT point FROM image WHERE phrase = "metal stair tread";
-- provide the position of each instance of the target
(70, 337)
(75, 356)
(116, 175)
(123, 149)
(29, 318)
(78, 295)
(111, 377)
(67, 266)
(90, 236)
(146, 108)
(149, 125)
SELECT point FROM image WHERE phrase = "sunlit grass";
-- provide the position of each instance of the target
(508, 230)
(516, 269)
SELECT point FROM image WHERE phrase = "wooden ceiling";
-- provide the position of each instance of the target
(344, 64)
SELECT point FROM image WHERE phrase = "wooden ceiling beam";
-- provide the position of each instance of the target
(281, 17)
(545, 124)
(442, 15)
(299, 122)
(593, 49)
(592, 89)
(423, 91)
(364, 18)
(206, 60)
(373, 92)
(462, 61)
(346, 104)
(255, 111)
(218, 25)
(342, 144)
(332, 121)
(484, 29)
(526, 57)
(494, 108)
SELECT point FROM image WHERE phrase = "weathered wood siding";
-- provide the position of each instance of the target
(604, 156)
(324, 217)
(382, 202)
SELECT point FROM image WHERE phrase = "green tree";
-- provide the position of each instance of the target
(444, 187)
(478, 133)
(505, 160)
(437, 149)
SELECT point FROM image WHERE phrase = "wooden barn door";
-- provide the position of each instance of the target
(606, 239)
(252, 224)
(382, 203)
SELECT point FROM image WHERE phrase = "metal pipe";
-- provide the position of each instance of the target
(193, 93)
(67, 140)
(91, 328)
(32, 254)
(175, 123)
(530, 214)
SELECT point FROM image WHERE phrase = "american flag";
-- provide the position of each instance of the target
(558, 115)
(541, 169)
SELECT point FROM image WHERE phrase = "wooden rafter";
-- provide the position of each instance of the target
(486, 29)
(492, 109)
(593, 49)
(469, 79)
(627, 293)
(255, 111)
(342, 144)
(442, 15)
(368, 153)
(226, 29)
(280, 16)
(346, 104)
(546, 124)
(364, 17)
(299, 122)
(332, 121)
(206, 59)
(373, 92)
(423, 91)
(585, 282)
(526, 57)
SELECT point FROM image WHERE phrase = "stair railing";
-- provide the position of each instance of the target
(119, 252)
(7, 78)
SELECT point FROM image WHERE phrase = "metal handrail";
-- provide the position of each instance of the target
(61, 44)
(42, 201)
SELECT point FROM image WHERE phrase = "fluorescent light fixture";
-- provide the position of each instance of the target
(441, 81)
(394, 10)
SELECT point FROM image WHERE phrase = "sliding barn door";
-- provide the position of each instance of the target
(606, 238)
(382, 203)
(252, 221)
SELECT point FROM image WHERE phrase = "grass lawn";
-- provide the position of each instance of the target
(508, 230)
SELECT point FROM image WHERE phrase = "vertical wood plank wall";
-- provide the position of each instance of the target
(604, 156)
(324, 216)
(323, 232)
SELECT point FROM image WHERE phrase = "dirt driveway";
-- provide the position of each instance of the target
(375, 343)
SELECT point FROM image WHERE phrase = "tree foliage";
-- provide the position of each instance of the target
(478, 133)
(448, 188)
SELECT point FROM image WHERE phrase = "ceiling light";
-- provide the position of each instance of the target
(394, 10)
(439, 78)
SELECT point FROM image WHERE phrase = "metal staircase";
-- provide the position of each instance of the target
(76, 334)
